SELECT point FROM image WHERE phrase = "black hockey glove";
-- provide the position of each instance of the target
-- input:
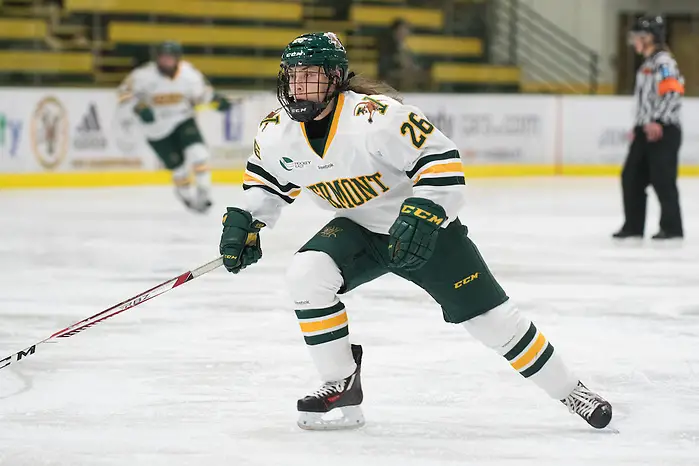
(144, 112)
(240, 242)
(414, 233)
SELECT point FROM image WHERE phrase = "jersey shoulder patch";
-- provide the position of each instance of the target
(665, 71)
(267, 132)
(370, 107)
(273, 118)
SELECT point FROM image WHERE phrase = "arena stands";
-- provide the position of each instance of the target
(236, 43)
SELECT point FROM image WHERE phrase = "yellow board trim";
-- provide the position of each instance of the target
(308, 327)
(221, 176)
(531, 353)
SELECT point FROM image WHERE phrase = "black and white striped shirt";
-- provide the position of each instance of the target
(659, 87)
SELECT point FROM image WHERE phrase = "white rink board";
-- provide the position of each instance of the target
(596, 130)
(494, 129)
(209, 373)
(58, 130)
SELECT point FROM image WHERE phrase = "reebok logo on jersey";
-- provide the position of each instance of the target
(325, 167)
(466, 280)
(88, 134)
(420, 213)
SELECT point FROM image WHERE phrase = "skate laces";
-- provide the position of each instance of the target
(328, 388)
(582, 401)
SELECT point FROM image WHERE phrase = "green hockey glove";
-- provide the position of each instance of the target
(240, 242)
(414, 233)
(144, 112)
(220, 103)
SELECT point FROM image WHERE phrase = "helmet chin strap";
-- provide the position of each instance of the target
(306, 110)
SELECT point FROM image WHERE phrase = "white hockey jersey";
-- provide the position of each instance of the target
(171, 99)
(378, 152)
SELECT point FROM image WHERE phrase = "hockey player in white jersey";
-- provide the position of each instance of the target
(164, 95)
(395, 183)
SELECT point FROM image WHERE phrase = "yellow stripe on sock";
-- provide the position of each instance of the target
(531, 353)
(308, 327)
(181, 181)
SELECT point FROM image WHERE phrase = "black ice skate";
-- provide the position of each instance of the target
(589, 406)
(345, 395)
(664, 235)
(203, 202)
(623, 235)
(200, 204)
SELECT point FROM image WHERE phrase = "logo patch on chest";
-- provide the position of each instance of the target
(288, 164)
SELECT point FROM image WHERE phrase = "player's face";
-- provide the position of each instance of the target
(308, 83)
(640, 41)
(167, 62)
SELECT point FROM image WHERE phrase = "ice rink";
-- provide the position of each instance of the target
(209, 373)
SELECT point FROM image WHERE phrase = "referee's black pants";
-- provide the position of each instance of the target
(653, 163)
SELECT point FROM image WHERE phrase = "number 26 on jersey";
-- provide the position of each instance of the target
(419, 129)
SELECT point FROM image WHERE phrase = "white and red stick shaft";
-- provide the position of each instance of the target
(114, 310)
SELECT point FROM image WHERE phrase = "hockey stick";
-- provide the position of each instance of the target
(114, 310)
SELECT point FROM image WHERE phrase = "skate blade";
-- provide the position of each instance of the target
(351, 417)
(628, 242)
(674, 243)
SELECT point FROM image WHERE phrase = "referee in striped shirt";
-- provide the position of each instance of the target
(657, 135)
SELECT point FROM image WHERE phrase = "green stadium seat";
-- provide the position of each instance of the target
(22, 29)
(433, 45)
(28, 61)
(250, 10)
(202, 35)
(384, 16)
(475, 74)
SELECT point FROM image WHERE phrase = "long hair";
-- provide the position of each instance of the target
(363, 85)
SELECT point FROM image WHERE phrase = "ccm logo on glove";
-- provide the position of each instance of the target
(420, 213)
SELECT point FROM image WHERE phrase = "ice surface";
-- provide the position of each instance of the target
(209, 373)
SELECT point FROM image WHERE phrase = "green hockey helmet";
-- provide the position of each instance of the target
(172, 49)
(322, 49)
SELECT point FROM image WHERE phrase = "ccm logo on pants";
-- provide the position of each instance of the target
(466, 280)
